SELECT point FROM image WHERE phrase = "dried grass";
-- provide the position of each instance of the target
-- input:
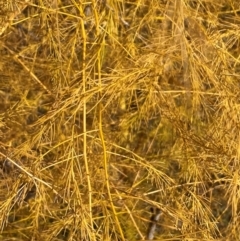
(111, 108)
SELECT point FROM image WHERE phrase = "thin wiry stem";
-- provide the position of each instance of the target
(84, 83)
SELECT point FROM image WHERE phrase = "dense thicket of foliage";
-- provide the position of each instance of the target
(111, 110)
